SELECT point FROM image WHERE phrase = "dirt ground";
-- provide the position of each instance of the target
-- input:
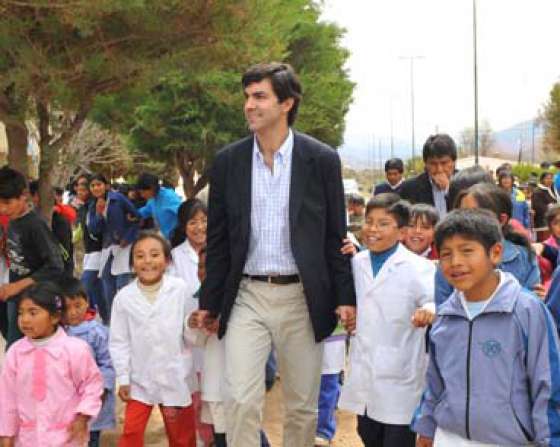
(155, 435)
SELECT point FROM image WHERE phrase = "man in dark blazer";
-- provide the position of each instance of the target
(432, 186)
(275, 272)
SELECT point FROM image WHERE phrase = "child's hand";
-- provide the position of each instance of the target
(348, 248)
(192, 320)
(422, 441)
(540, 291)
(7, 442)
(347, 316)
(124, 393)
(423, 318)
(79, 431)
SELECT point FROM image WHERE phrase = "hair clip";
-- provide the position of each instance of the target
(58, 302)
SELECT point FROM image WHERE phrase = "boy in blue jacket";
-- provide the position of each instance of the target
(494, 372)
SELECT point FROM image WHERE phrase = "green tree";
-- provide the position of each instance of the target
(551, 119)
(56, 58)
(187, 118)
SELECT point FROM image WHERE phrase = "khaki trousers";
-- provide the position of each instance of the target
(265, 315)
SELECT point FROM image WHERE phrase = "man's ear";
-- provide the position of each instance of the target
(287, 104)
(495, 253)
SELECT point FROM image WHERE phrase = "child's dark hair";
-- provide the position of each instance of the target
(356, 199)
(186, 212)
(464, 179)
(552, 213)
(99, 177)
(493, 198)
(479, 225)
(150, 234)
(12, 183)
(72, 288)
(46, 295)
(424, 212)
(393, 205)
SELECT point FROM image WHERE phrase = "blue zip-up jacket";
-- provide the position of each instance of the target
(552, 299)
(97, 337)
(496, 378)
(520, 209)
(163, 208)
(117, 225)
(515, 260)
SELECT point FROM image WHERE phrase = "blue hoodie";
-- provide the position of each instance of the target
(163, 208)
(496, 378)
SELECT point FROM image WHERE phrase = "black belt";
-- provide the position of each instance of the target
(278, 279)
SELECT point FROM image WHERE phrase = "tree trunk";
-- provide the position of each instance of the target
(18, 138)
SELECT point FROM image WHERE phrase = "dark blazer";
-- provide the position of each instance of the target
(419, 190)
(384, 187)
(317, 227)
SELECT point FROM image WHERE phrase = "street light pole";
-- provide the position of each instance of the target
(411, 59)
(475, 86)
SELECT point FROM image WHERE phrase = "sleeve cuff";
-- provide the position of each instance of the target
(123, 380)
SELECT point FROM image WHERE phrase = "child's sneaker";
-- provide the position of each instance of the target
(321, 442)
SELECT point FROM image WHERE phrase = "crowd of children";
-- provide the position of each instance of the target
(456, 341)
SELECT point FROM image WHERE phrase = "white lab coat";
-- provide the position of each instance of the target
(387, 356)
(147, 344)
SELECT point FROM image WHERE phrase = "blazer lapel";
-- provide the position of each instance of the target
(244, 175)
(300, 173)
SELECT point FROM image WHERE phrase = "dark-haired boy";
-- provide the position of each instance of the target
(32, 249)
(394, 169)
(493, 376)
(388, 357)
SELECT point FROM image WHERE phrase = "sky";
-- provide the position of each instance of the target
(518, 62)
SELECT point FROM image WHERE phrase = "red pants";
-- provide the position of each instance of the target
(179, 425)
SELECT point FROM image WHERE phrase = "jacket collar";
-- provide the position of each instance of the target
(510, 251)
(402, 254)
(53, 347)
(502, 301)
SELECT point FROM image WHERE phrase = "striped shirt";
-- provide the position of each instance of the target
(270, 252)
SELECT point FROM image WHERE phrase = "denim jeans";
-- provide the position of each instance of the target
(94, 437)
(112, 284)
(13, 334)
(328, 399)
(94, 290)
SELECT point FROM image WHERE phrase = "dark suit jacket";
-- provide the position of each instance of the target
(419, 190)
(317, 227)
(384, 187)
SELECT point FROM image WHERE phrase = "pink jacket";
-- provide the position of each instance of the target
(42, 389)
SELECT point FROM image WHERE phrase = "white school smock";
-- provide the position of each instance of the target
(213, 371)
(388, 357)
(184, 265)
(147, 344)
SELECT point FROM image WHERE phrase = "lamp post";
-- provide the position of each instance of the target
(411, 59)
(475, 86)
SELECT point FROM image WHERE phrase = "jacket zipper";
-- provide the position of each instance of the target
(467, 416)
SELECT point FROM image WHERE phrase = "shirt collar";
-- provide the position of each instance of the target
(53, 348)
(285, 150)
(393, 187)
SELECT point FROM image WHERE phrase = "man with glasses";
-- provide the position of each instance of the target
(432, 186)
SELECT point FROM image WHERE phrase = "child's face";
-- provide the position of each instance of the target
(76, 309)
(419, 236)
(98, 188)
(196, 229)
(82, 191)
(14, 207)
(469, 267)
(149, 261)
(34, 321)
(380, 231)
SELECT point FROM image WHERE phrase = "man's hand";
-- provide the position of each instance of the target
(100, 206)
(423, 318)
(422, 441)
(441, 180)
(347, 316)
(201, 319)
(124, 393)
(78, 430)
(348, 248)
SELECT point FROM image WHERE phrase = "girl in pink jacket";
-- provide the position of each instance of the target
(50, 386)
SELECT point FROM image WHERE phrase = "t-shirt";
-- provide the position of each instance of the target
(33, 250)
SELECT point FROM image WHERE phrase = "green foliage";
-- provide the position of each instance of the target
(526, 171)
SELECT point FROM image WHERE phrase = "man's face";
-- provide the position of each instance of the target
(262, 108)
(437, 166)
(394, 176)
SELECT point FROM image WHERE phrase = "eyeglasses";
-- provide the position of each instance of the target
(381, 226)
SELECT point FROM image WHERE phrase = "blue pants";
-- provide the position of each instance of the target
(328, 399)
(4, 319)
(94, 437)
(112, 284)
(94, 290)
(13, 333)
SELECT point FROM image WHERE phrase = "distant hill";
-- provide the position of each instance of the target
(508, 142)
